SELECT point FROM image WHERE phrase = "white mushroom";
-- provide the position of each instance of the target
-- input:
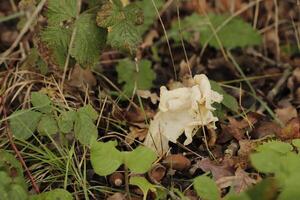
(182, 110)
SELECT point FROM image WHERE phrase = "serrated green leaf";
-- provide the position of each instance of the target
(291, 188)
(47, 125)
(85, 129)
(56, 194)
(109, 15)
(60, 11)
(145, 157)
(124, 36)
(105, 158)
(228, 101)
(141, 80)
(143, 184)
(206, 188)
(23, 123)
(41, 102)
(66, 121)
(228, 34)
(57, 40)
(89, 40)
(296, 143)
(89, 111)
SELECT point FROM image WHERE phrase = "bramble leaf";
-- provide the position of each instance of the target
(133, 79)
(61, 11)
(124, 36)
(23, 123)
(89, 39)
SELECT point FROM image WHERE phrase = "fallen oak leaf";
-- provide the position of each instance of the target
(291, 130)
(136, 133)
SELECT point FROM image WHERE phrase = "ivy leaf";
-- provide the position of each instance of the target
(89, 39)
(105, 158)
(41, 102)
(143, 184)
(228, 101)
(56, 194)
(124, 36)
(23, 123)
(141, 80)
(228, 34)
(47, 125)
(66, 121)
(206, 188)
(145, 157)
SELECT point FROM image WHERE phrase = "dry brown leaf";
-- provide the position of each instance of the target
(136, 133)
(223, 169)
(291, 130)
(147, 94)
(81, 77)
(240, 182)
(285, 114)
(265, 128)
(149, 38)
(117, 196)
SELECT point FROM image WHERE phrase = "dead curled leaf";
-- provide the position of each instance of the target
(286, 113)
(291, 130)
(147, 94)
(218, 170)
(81, 77)
(136, 133)
(238, 128)
(240, 182)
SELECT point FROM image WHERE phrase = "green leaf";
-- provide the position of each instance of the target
(144, 156)
(228, 34)
(89, 40)
(206, 188)
(47, 125)
(85, 129)
(291, 189)
(275, 146)
(66, 121)
(109, 15)
(41, 102)
(61, 11)
(228, 101)
(23, 123)
(56, 194)
(105, 158)
(57, 41)
(266, 161)
(149, 13)
(143, 184)
(124, 36)
(296, 143)
(141, 80)
(89, 111)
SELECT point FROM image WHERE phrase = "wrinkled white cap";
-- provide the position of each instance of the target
(182, 110)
